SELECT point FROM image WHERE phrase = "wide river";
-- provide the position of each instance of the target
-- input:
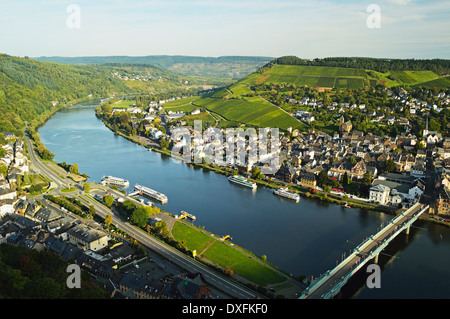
(304, 238)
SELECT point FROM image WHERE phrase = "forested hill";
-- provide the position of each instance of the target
(29, 88)
(438, 66)
(235, 67)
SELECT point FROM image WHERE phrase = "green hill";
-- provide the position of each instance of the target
(341, 77)
(32, 90)
(354, 73)
(231, 67)
(237, 105)
(255, 99)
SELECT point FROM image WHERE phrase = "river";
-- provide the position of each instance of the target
(304, 238)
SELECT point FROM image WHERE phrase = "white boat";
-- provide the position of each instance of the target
(242, 181)
(115, 181)
(148, 192)
(283, 192)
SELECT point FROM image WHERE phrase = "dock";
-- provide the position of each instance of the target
(184, 214)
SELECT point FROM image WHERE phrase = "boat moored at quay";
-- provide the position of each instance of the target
(115, 181)
(148, 192)
(283, 192)
(242, 181)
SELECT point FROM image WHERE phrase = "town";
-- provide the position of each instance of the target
(384, 173)
(116, 262)
(388, 172)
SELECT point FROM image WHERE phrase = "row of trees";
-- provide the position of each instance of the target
(137, 214)
(70, 168)
(42, 151)
(73, 205)
(439, 66)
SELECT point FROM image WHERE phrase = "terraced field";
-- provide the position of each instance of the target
(413, 77)
(183, 105)
(238, 105)
(260, 114)
(343, 78)
(315, 76)
(442, 82)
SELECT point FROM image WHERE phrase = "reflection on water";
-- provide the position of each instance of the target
(304, 238)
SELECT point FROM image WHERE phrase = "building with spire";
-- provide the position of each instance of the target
(431, 137)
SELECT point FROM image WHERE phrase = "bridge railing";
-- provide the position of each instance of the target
(336, 288)
(371, 254)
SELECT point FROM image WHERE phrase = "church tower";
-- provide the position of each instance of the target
(425, 131)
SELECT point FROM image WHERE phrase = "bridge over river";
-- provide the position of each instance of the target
(330, 283)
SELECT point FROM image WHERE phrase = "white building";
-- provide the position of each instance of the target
(6, 207)
(379, 193)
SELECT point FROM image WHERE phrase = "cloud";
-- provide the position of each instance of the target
(400, 2)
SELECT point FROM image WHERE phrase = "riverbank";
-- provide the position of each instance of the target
(306, 193)
(270, 183)
(303, 238)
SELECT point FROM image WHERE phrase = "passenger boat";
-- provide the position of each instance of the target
(283, 192)
(242, 181)
(115, 181)
(148, 192)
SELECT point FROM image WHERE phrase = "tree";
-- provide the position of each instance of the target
(74, 169)
(86, 187)
(322, 178)
(128, 206)
(108, 200)
(108, 220)
(367, 178)
(345, 180)
(228, 271)
(92, 211)
(139, 216)
(26, 179)
(390, 166)
(255, 172)
(3, 169)
(164, 144)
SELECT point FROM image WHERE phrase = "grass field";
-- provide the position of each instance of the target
(315, 76)
(338, 77)
(206, 118)
(238, 90)
(181, 105)
(193, 238)
(443, 82)
(248, 268)
(122, 104)
(413, 77)
(260, 114)
(225, 256)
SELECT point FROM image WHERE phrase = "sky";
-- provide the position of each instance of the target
(307, 29)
